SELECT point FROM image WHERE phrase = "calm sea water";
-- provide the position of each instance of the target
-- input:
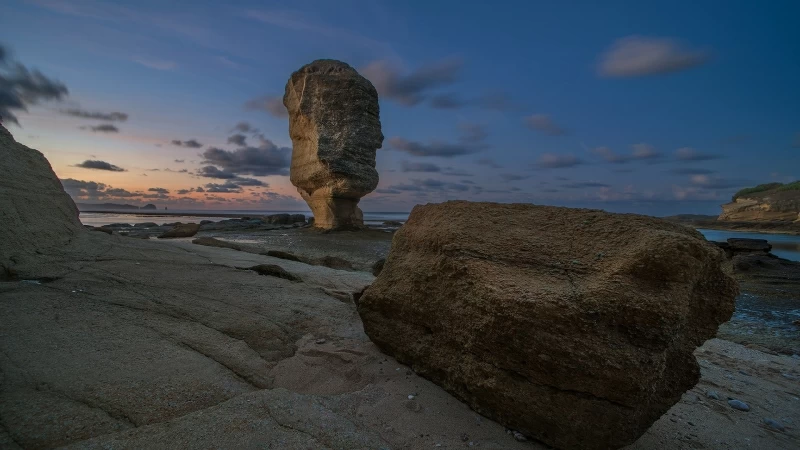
(133, 217)
(786, 246)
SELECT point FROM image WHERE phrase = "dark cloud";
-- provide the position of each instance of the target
(555, 161)
(435, 148)
(159, 190)
(544, 124)
(585, 184)
(179, 160)
(690, 154)
(91, 190)
(489, 163)
(496, 101)
(691, 171)
(451, 172)
(471, 141)
(272, 105)
(102, 128)
(406, 166)
(639, 152)
(99, 165)
(227, 188)
(120, 193)
(267, 159)
(213, 172)
(447, 101)
(21, 87)
(473, 133)
(199, 189)
(428, 185)
(191, 143)
(245, 127)
(715, 182)
(114, 116)
(409, 89)
(244, 181)
(185, 191)
(637, 56)
(512, 177)
(238, 139)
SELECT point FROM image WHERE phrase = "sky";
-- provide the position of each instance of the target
(626, 106)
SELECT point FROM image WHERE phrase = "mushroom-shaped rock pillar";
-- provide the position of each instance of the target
(334, 123)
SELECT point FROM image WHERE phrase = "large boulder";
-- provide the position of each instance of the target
(181, 230)
(334, 123)
(37, 218)
(572, 326)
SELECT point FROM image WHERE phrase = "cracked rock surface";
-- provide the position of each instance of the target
(575, 327)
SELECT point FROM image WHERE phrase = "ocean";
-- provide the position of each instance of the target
(132, 217)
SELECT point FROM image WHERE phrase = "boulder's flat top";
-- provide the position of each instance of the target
(144, 344)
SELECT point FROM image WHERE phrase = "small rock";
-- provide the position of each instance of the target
(774, 425)
(411, 396)
(519, 436)
(744, 373)
(714, 395)
(465, 437)
(738, 404)
(320, 341)
(412, 405)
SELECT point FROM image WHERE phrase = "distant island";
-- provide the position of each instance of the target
(766, 208)
(96, 207)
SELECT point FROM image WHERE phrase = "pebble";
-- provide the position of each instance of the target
(321, 341)
(519, 436)
(465, 436)
(774, 425)
(714, 395)
(738, 404)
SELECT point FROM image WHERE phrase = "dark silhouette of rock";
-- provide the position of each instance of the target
(576, 327)
(37, 218)
(334, 123)
(274, 271)
(149, 206)
(181, 230)
(283, 255)
(378, 266)
(145, 225)
(738, 245)
(334, 262)
(213, 242)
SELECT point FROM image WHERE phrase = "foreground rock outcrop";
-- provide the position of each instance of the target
(334, 123)
(575, 327)
(37, 218)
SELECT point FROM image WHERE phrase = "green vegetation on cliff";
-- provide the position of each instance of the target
(777, 187)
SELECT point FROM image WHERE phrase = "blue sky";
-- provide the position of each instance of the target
(626, 106)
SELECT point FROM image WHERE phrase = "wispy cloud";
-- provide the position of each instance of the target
(296, 21)
(158, 64)
(102, 128)
(688, 154)
(636, 56)
(544, 124)
(114, 116)
(270, 104)
(409, 89)
(556, 161)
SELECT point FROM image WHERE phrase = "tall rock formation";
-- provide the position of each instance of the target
(37, 218)
(575, 327)
(334, 123)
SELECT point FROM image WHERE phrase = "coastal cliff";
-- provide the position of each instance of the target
(765, 202)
